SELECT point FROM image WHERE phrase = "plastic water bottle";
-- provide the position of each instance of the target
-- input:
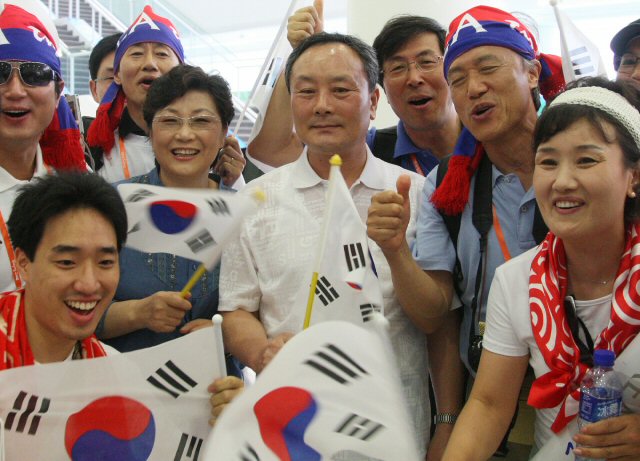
(600, 392)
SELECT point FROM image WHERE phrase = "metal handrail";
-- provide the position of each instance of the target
(184, 25)
(104, 11)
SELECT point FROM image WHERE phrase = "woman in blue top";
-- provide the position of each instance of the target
(188, 113)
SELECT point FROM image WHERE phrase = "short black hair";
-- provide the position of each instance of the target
(178, 82)
(100, 51)
(555, 119)
(365, 52)
(49, 196)
(399, 30)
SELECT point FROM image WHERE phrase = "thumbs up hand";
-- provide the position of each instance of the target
(305, 22)
(388, 216)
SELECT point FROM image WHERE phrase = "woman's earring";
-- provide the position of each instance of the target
(632, 194)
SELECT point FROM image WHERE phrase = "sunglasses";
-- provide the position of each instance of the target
(31, 73)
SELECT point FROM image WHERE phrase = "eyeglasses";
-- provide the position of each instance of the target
(399, 70)
(103, 79)
(31, 73)
(175, 123)
(628, 63)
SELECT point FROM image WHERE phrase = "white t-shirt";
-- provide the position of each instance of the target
(266, 266)
(509, 332)
(139, 156)
(9, 187)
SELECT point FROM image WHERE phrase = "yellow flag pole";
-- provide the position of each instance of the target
(336, 163)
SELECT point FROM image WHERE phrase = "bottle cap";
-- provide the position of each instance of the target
(604, 358)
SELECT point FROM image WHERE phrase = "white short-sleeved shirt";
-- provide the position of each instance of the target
(263, 269)
(139, 155)
(9, 187)
(509, 332)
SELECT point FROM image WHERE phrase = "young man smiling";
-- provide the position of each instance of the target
(71, 274)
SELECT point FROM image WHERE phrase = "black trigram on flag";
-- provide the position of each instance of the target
(189, 448)
(272, 73)
(26, 413)
(354, 256)
(359, 427)
(200, 241)
(581, 61)
(332, 362)
(172, 380)
(138, 195)
(326, 293)
(367, 311)
(218, 206)
(248, 454)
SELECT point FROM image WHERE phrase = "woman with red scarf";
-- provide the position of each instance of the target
(577, 291)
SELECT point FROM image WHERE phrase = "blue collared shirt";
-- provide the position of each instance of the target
(405, 148)
(434, 250)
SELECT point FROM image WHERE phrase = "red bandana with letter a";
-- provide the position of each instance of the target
(547, 291)
(15, 350)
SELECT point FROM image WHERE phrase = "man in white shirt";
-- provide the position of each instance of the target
(332, 82)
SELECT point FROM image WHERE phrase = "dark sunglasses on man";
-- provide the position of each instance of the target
(31, 73)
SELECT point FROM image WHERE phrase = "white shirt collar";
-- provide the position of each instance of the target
(304, 175)
(7, 181)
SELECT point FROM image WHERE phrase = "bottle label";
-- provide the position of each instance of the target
(593, 409)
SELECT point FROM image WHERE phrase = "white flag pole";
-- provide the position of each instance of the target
(567, 68)
(1, 440)
(335, 162)
(266, 63)
(217, 331)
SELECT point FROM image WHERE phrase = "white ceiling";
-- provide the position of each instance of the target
(228, 16)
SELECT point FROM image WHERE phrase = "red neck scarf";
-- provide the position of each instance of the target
(547, 291)
(15, 350)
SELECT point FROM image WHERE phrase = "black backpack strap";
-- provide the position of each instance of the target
(482, 220)
(384, 144)
(452, 223)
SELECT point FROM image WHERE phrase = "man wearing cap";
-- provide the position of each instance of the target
(626, 54)
(37, 130)
(494, 69)
(150, 48)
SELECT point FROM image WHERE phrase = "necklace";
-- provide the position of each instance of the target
(595, 282)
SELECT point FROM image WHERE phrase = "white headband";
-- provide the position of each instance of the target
(607, 101)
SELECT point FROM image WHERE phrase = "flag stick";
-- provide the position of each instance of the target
(193, 280)
(281, 30)
(335, 162)
(567, 67)
(217, 330)
(1, 440)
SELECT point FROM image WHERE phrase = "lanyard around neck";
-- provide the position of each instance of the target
(416, 164)
(123, 159)
(10, 253)
(500, 235)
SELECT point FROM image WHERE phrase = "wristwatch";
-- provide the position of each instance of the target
(445, 418)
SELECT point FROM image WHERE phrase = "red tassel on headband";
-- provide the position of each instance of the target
(108, 118)
(60, 142)
(452, 194)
